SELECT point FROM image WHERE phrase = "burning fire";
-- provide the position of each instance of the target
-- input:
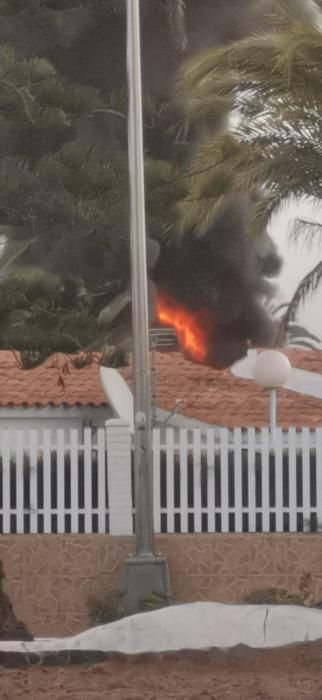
(192, 327)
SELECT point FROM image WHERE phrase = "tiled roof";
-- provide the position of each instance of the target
(208, 395)
(217, 397)
(54, 383)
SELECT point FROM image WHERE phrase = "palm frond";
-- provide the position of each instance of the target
(296, 332)
(290, 333)
(280, 14)
(300, 343)
(256, 71)
(273, 80)
(276, 63)
(305, 231)
(198, 214)
(308, 285)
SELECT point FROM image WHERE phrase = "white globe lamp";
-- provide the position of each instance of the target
(271, 371)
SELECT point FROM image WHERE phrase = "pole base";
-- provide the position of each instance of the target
(143, 576)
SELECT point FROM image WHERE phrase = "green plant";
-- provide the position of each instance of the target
(306, 595)
(155, 601)
(273, 596)
(111, 608)
(105, 610)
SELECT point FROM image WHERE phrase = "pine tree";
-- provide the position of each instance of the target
(63, 199)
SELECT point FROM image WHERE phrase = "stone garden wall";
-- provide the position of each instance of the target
(49, 578)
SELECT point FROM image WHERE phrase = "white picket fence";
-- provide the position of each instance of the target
(240, 482)
(53, 483)
(231, 481)
(58, 481)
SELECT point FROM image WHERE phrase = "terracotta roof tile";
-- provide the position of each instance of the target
(54, 383)
(218, 398)
(208, 395)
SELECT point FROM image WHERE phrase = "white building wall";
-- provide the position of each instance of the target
(54, 418)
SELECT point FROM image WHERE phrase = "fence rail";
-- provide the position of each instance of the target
(239, 482)
(51, 481)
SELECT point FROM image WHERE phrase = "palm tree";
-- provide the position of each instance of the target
(299, 336)
(269, 86)
(295, 335)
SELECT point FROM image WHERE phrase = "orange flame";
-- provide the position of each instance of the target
(192, 327)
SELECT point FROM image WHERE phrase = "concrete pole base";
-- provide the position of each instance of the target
(141, 577)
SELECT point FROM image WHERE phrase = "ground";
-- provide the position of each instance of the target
(293, 673)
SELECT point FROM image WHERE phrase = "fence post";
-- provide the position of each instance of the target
(119, 477)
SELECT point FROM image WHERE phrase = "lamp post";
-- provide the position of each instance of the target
(144, 573)
(140, 314)
(271, 371)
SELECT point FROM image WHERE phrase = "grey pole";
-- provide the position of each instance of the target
(273, 413)
(140, 315)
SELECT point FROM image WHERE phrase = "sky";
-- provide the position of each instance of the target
(298, 260)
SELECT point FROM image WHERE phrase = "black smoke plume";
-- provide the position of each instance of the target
(227, 273)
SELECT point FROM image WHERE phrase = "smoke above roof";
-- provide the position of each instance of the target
(222, 280)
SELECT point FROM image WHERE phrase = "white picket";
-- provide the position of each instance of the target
(264, 451)
(291, 439)
(88, 479)
(74, 474)
(5, 453)
(306, 477)
(156, 455)
(251, 464)
(33, 482)
(60, 481)
(313, 473)
(183, 457)
(101, 479)
(279, 479)
(211, 480)
(47, 481)
(238, 491)
(197, 479)
(170, 479)
(319, 478)
(19, 456)
(224, 479)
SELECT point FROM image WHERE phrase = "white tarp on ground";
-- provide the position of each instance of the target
(192, 626)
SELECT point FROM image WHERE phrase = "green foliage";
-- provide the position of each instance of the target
(31, 93)
(273, 596)
(110, 609)
(77, 200)
(155, 601)
(40, 312)
(271, 84)
(274, 81)
(64, 188)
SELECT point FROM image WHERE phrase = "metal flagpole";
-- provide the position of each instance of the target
(140, 315)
